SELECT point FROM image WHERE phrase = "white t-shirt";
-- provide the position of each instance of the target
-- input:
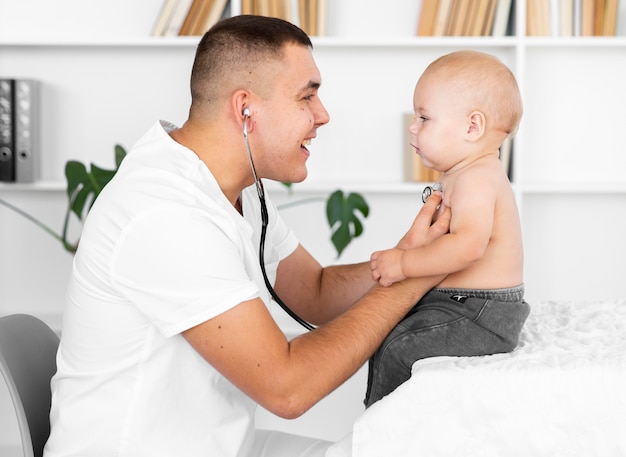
(161, 251)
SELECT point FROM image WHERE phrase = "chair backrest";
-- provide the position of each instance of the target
(28, 350)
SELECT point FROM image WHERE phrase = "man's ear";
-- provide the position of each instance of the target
(476, 125)
(240, 103)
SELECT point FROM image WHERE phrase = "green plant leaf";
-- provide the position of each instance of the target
(77, 186)
(84, 186)
(289, 187)
(343, 219)
(120, 153)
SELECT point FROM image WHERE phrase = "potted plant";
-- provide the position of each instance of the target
(343, 212)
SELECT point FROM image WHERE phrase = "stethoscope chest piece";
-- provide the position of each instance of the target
(428, 190)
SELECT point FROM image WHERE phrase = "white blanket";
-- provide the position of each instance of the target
(561, 393)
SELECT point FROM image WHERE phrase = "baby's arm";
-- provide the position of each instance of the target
(386, 266)
(473, 204)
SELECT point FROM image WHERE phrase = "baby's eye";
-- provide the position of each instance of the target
(423, 118)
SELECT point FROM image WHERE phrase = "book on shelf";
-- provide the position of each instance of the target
(414, 168)
(188, 17)
(611, 11)
(178, 18)
(537, 17)
(186, 28)
(566, 18)
(247, 6)
(195, 17)
(502, 17)
(482, 15)
(607, 23)
(441, 17)
(164, 17)
(426, 22)
(312, 16)
(587, 18)
(283, 9)
(464, 17)
(571, 17)
(456, 17)
(19, 130)
(598, 17)
(309, 15)
(202, 15)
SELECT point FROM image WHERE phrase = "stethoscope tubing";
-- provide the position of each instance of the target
(264, 224)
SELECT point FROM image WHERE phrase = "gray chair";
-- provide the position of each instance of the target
(27, 361)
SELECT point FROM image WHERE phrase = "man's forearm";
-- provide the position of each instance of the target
(341, 286)
(335, 351)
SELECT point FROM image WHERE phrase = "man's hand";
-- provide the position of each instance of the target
(424, 231)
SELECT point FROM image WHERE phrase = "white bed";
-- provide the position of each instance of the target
(561, 393)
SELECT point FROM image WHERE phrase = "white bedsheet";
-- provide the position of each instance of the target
(561, 393)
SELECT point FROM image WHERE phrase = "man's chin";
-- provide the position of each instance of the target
(296, 178)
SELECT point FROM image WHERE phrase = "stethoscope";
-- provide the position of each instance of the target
(428, 190)
(264, 223)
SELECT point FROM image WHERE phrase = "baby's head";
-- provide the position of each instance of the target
(480, 82)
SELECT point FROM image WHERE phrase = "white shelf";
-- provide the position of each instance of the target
(413, 42)
(380, 188)
(338, 42)
(326, 42)
(39, 186)
(576, 188)
(312, 187)
(146, 42)
(308, 187)
(578, 42)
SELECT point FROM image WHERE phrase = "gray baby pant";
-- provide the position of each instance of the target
(447, 322)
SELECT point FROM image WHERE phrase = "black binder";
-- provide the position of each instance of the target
(7, 130)
(26, 120)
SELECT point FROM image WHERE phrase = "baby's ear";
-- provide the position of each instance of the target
(476, 125)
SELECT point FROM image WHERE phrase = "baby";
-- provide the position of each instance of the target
(466, 104)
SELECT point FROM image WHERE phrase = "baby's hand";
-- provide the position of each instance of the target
(386, 266)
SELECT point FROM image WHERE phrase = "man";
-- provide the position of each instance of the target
(168, 343)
